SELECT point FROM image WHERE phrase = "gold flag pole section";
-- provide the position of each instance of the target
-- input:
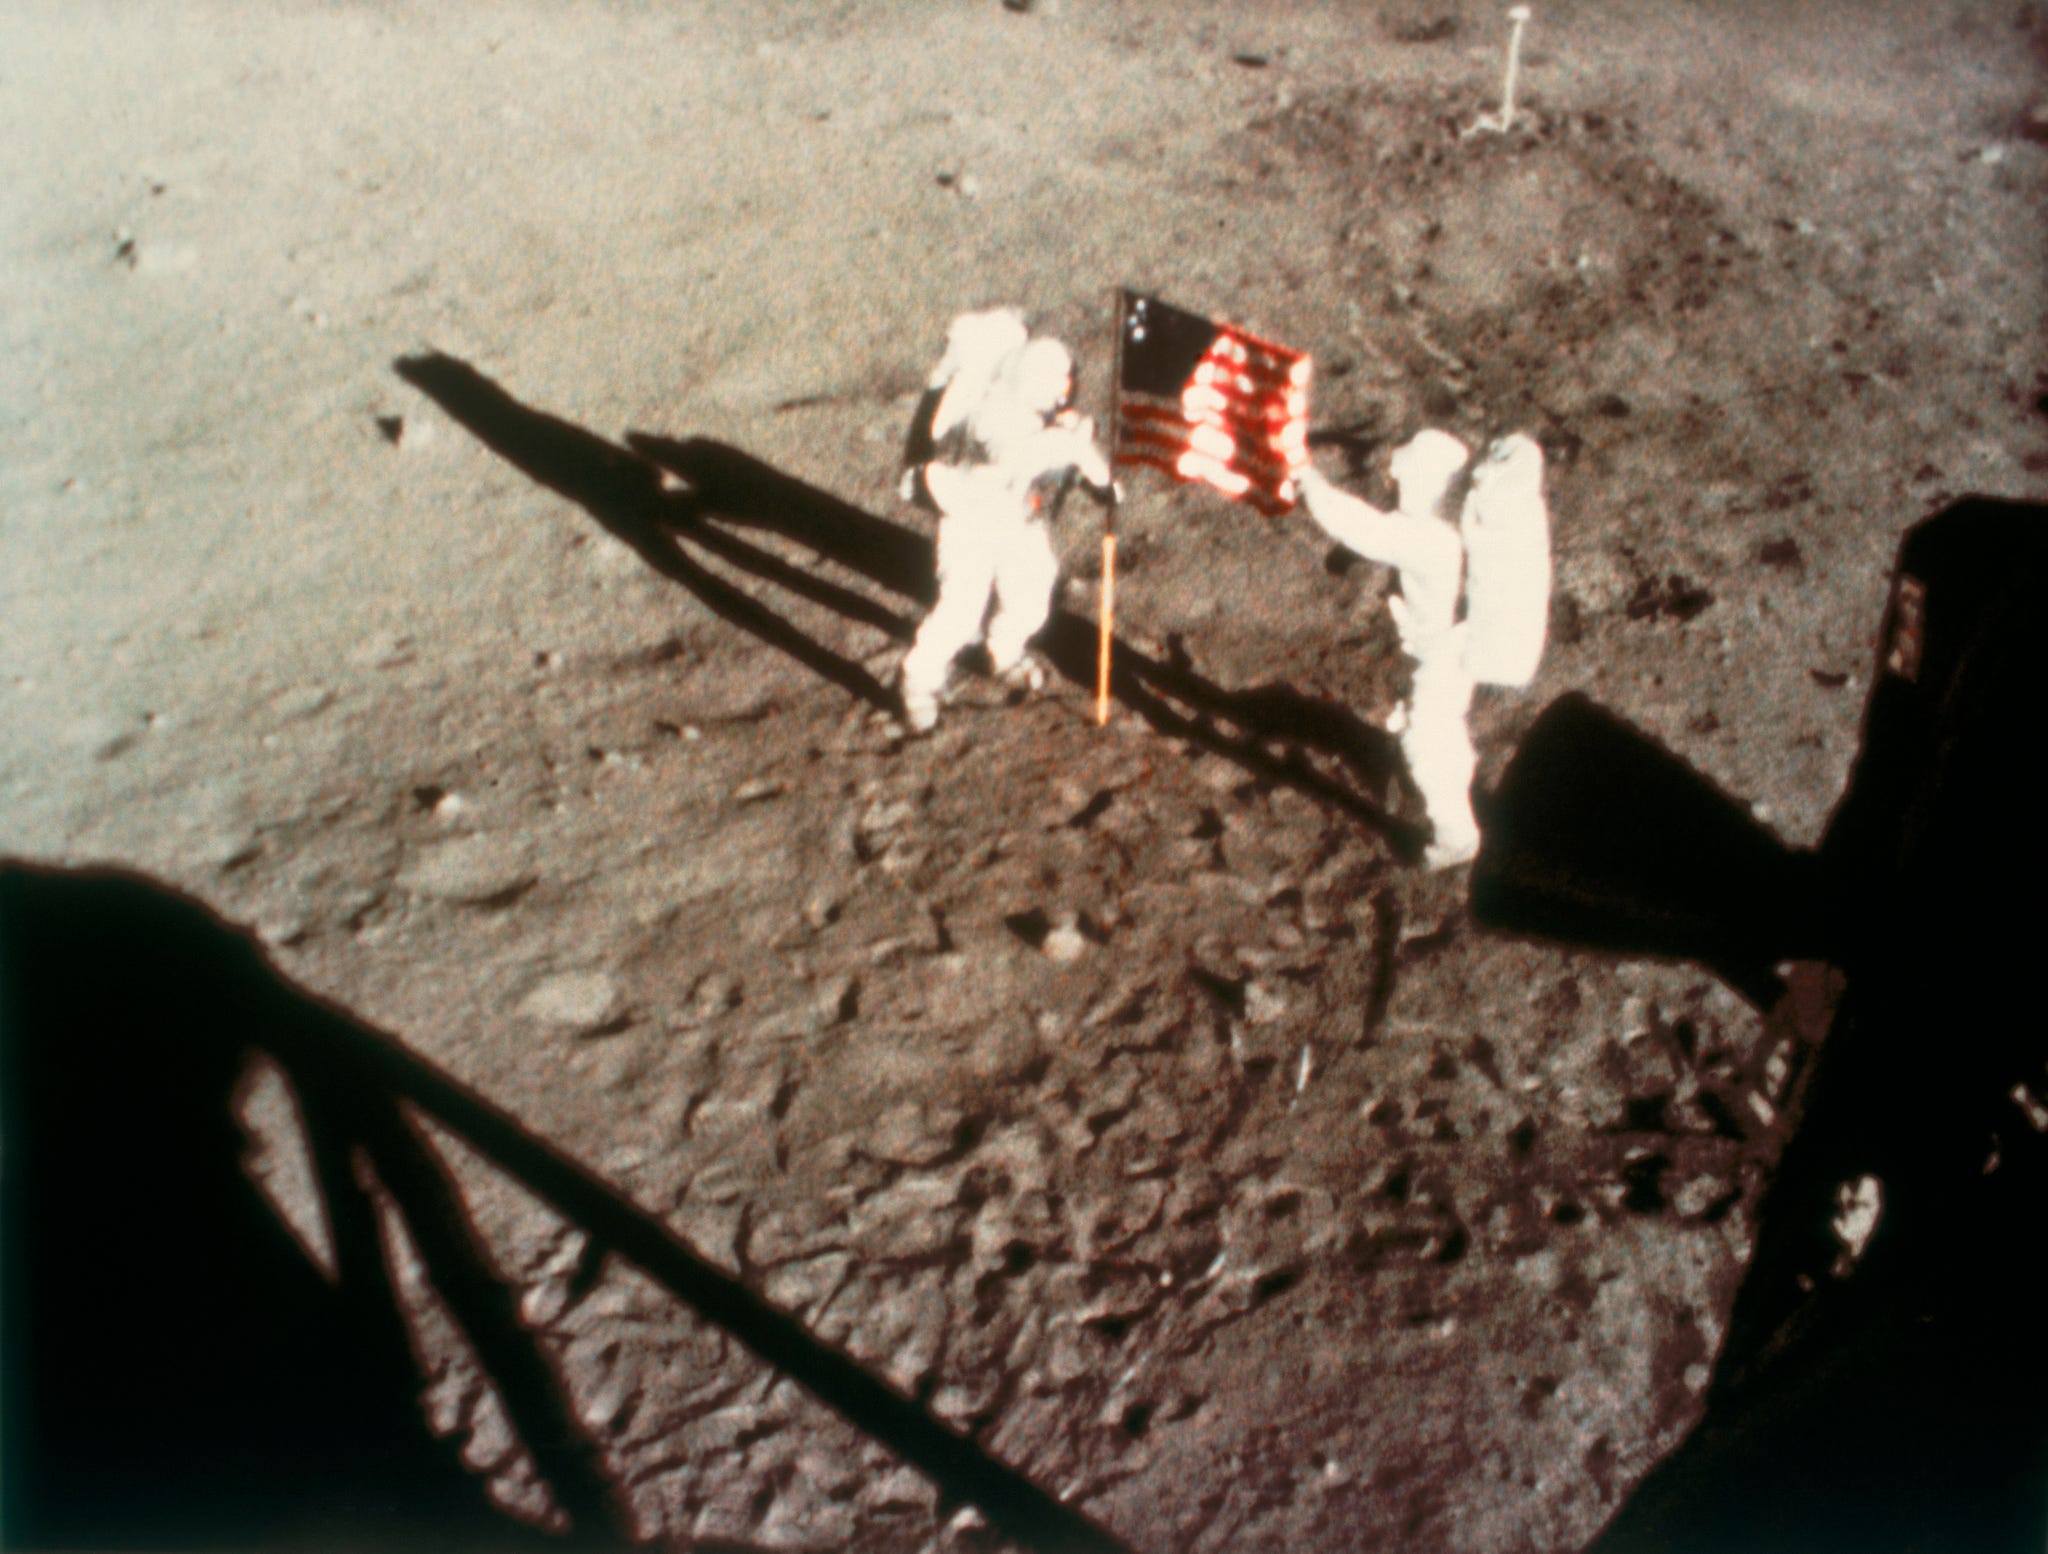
(1108, 621)
(1116, 427)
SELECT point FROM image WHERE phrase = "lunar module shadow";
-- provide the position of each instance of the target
(1891, 1395)
(176, 1372)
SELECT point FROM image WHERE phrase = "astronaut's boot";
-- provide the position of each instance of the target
(918, 684)
(1027, 674)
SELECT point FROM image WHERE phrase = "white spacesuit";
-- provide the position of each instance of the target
(1506, 528)
(1500, 550)
(1001, 428)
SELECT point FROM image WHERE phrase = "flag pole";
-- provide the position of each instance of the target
(1108, 611)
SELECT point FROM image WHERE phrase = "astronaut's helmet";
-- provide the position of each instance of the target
(1041, 377)
(1425, 466)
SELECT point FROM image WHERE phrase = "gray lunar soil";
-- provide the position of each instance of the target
(1126, 1095)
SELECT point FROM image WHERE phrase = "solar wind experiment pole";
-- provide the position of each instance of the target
(1518, 18)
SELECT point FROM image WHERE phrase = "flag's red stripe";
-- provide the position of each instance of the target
(1158, 461)
(1275, 361)
(1266, 499)
(1256, 346)
(1255, 366)
(1163, 452)
(1254, 451)
(1268, 373)
(1252, 342)
(1253, 434)
(1250, 418)
(1162, 444)
(1259, 437)
(1262, 385)
(1243, 407)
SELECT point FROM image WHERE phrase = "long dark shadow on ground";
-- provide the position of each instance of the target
(624, 493)
(1887, 1396)
(176, 1371)
(746, 492)
(1267, 730)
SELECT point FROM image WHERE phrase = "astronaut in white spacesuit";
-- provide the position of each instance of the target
(1002, 432)
(1498, 548)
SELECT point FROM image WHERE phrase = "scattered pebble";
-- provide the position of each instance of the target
(1064, 944)
(1698, 1194)
(154, 258)
(542, 1304)
(837, 1002)
(468, 870)
(903, 1488)
(575, 1000)
(1262, 1004)
(2031, 1107)
(1543, 1271)
(382, 652)
(913, 1133)
(1858, 1204)
(301, 702)
(1637, 1019)
(603, 1408)
(491, 1439)
(713, 994)
(404, 434)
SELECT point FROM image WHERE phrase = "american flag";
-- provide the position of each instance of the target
(1205, 401)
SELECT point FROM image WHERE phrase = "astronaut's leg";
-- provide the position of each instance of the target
(1437, 745)
(1027, 569)
(966, 571)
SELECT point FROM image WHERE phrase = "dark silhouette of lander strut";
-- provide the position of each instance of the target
(1880, 1388)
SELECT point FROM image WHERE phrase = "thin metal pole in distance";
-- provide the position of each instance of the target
(1518, 17)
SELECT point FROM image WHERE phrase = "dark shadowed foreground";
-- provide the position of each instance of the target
(1888, 1395)
(179, 1372)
